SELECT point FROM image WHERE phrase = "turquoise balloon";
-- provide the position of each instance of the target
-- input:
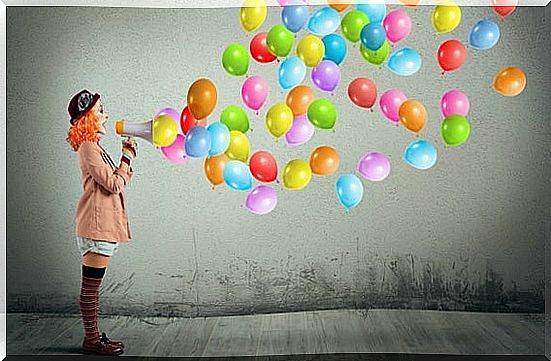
(405, 62)
(350, 190)
(324, 21)
(373, 36)
(335, 48)
(291, 72)
(238, 176)
(420, 154)
(376, 12)
(219, 138)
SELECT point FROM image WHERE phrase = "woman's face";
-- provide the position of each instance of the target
(101, 116)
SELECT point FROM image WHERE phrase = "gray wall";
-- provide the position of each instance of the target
(467, 234)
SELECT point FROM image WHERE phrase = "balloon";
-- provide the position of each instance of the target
(350, 190)
(455, 129)
(362, 92)
(239, 147)
(235, 59)
(326, 76)
(254, 92)
(187, 121)
(175, 153)
(374, 9)
(280, 40)
(219, 138)
(420, 154)
(301, 131)
(259, 49)
(164, 131)
(214, 168)
(324, 160)
(311, 49)
(295, 15)
(390, 104)
(335, 48)
(296, 174)
(338, 5)
(410, 3)
(352, 25)
(261, 200)
(374, 166)
(451, 55)
(324, 21)
(510, 81)
(504, 7)
(373, 36)
(376, 57)
(454, 102)
(201, 98)
(397, 25)
(291, 72)
(263, 166)
(171, 112)
(252, 14)
(235, 118)
(282, 3)
(484, 35)
(279, 119)
(413, 115)
(299, 99)
(197, 142)
(446, 17)
(405, 62)
(322, 114)
(237, 176)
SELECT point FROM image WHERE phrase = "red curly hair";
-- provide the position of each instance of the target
(85, 129)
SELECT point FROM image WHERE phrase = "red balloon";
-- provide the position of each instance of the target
(504, 7)
(263, 166)
(259, 49)
(187, 121)
(362, 92)
(451, 55)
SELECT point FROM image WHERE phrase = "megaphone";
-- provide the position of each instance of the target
(160, 131)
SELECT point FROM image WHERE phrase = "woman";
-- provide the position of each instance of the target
(101, 216)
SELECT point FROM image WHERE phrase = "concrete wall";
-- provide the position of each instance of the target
(468, 234)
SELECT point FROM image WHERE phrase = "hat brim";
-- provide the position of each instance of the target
(95, 99)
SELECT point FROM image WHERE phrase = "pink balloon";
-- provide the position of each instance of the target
(301, 131)
(254, 92)
(397, 24)
(282, 2)
(390, 103)
(261, 200)
(175, 153)
(454, 102)
(374, 166)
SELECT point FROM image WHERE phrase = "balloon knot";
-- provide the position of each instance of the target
(212, 188)
(277, 181)
(443, 72)
(257, 113)
(371, 109)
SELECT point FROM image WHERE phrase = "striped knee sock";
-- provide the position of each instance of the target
(89, 301)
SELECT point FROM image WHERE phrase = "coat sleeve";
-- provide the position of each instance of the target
(92, 162)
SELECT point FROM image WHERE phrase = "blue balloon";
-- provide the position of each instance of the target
(373, 36)
(219, 138)
(484, 35)
(350, 190)
(420, 154)
(291, 72)
(335, 48)
(197, 142)
(324, 21)
(405, 61)
(238, 176)
(376, 12)
(295, 15)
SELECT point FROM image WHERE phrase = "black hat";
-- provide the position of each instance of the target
(80, 103)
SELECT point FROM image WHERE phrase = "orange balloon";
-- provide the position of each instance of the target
(201, 98)
(413, 115)
(324, 160)
(510, 82)
(338, 5)
(214, 168)
(410, 3)
(299, 99)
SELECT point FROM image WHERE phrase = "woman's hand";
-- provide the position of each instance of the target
(130, 147)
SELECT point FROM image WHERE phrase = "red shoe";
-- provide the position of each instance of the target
(101, 348)
(112, 342)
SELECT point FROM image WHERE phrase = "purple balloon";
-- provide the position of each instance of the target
(454, 102)
(374, 166)
(261, 200)
(301, 131)
(326, 76)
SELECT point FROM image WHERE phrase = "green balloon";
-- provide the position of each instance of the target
(376, 57)
(455, 129)
(280, 41)
(236, 59)
(322, 114)
(235, 118)
(353, 23)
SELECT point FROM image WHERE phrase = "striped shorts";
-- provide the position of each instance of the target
(105, 248)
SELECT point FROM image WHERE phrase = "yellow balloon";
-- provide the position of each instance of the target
(252, 14)
(239, 147)
(446, 17)
(311, 50)
(279, 119)
(297, 174)
(164, 131)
